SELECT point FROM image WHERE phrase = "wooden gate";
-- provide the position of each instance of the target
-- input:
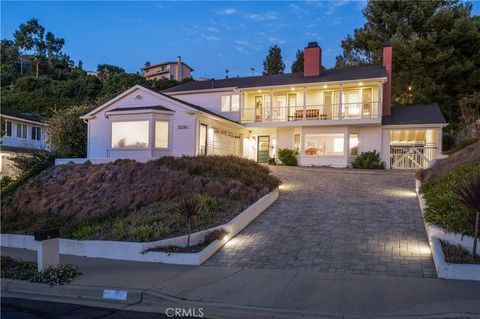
(411, 156)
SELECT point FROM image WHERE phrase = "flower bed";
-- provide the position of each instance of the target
(457, 254)
(25, 270)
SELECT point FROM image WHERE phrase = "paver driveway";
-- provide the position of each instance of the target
(364, 222)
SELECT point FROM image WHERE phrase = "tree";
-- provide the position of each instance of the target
(469, 196)
(107, 70)
(31, 38)
(147, 64)
(273, 63)
(189, 207)
(8, 51)
(80, 64)
(297, 65)
(67, 133)
(436, 47)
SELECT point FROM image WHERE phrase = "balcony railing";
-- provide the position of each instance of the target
(319, 112)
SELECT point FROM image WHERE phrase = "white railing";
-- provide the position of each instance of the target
(412, 156)
(317, 112)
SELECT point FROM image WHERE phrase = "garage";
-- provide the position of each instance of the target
(217, 141)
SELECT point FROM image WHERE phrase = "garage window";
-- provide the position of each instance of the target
(131, 134)
(324, 144)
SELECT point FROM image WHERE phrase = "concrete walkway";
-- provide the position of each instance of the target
(234, 292)
(336, 220)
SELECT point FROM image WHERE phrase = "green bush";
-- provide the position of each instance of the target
(5, 181)
(287, 157)
(369, 160)
(29, 166)
(25, 270)
(443, 209)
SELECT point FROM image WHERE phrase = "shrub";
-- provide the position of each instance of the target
(443, 208)
(287, 157)
(5, 181)
(369, 160)
(25, 270)
(29, 165)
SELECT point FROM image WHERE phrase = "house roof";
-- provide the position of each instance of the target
(153, 107)
(194, 106)
(353, 73)
(415, 114)
(23, 115)
(164, 63)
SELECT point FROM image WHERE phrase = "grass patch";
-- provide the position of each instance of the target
(26, 270)
(456, 254)
(444, 210)
(217, 234)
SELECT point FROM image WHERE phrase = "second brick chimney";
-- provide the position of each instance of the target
(387, 87)
(312, 60)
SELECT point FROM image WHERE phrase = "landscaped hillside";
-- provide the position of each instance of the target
(467, 155)
(126, 200)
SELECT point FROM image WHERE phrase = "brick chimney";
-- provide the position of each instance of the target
(387, 87)
(312, 60)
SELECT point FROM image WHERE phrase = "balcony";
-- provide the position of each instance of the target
(313, 104)
(345, 111)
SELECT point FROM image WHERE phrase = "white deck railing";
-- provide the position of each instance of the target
(412, 156)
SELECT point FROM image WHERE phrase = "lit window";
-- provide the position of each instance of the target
(130, 134)
(21, 130)
(36, 133)
(235, 102)
(7, 128)
(297, 143)
(230, 103)
(161, 134)
(324, 144)
(225, 107)
(353, 144)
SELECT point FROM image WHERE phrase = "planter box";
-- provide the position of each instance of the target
(133, 251)
(435, 234)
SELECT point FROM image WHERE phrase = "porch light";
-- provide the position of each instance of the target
(409, 88)
(259, 91)
(292, 89)
(360, 83)
(325, 86)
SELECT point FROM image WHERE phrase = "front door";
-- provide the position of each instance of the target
(263, 149)
(203, 140)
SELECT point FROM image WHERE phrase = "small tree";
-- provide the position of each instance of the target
(189, 207)
(273, 63)
(469, 196)
(67, 133)
(297, 65)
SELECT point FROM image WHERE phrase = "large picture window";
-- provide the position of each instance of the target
(21, 130)
(133, 134)
(161, 134)
(324, 144)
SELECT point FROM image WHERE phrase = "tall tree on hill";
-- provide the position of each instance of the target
(436, 50)
(273, 63)
(107, 70)
(297, 65)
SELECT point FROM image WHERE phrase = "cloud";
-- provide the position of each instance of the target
(334, 5)
(241, 42)
(276, 40)
(226, 11)
(212, 29)
(265, 16)
(210, 37)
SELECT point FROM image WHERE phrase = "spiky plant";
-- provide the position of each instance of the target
(469, 197)
(189, 208)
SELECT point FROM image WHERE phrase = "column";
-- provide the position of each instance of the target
(340, 102)
(304, 114)
(271, 105)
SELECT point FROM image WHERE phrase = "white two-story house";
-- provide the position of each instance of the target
(328, 116)
(22, 133)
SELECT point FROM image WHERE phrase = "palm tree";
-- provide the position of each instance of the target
(469, 197)
(189, 208)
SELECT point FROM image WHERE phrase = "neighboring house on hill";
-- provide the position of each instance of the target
(21, 133)
(168, 70)
(328, 116)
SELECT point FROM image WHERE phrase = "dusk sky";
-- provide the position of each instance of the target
(210, 36)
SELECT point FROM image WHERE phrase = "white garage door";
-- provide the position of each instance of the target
(223, 142)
